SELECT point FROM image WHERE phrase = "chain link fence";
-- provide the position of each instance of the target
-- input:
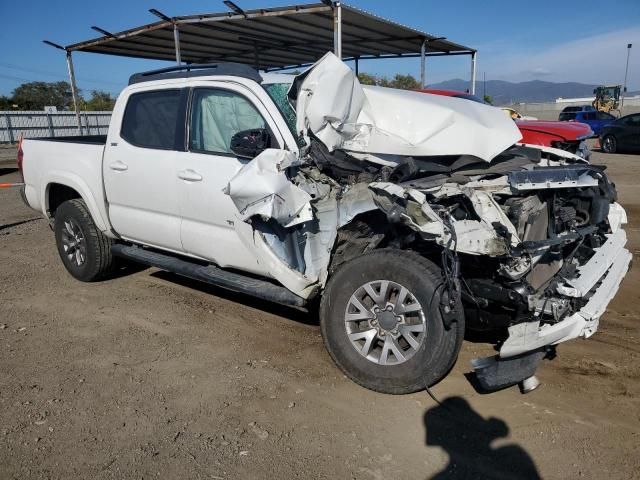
(39, 124)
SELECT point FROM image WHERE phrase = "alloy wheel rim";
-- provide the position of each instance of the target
(385, 323)
(73, 243)
(608, 144)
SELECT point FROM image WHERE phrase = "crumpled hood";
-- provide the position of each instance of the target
(330, 102)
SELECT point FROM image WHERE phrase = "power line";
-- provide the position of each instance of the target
(56, 75)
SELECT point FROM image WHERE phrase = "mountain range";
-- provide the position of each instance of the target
(505, 93)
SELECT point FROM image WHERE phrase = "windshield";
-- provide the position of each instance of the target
(278, 93)
(566, 116)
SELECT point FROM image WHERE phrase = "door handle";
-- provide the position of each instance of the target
(190, 176)
(119, 166)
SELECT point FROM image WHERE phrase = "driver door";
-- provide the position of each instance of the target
(209, 223)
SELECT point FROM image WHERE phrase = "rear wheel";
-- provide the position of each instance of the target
(381, 322)
(609, 144)
(85, 251)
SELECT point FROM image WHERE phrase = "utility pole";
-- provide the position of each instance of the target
(626, 73)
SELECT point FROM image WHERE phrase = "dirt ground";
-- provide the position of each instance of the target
(152, 376)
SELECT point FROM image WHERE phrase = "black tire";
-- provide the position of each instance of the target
(439, 350)
(609, 144)
(98, 260)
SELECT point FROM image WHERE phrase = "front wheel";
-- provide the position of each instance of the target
(609, 144)
(85, 251)
(381, 322)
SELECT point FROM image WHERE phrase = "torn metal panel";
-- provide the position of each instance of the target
(476, 237)
(342, 114)
(551, 177)
(295, 221)
(557, 153)
(262, 188)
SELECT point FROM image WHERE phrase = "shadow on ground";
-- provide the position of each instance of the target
(21, 222)
(305, 317)
(466, 437)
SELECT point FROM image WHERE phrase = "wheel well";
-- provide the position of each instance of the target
(371, 231)
(58, 194)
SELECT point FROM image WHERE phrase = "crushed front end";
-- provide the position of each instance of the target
(529, 238)
(539, 244)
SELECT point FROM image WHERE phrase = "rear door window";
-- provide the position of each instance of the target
(152, 119)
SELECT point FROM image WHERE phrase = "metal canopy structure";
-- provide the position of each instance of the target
(272, 38)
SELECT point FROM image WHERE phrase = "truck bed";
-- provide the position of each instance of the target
(75, 162)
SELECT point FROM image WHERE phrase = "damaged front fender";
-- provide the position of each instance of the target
(262, 188)
(295, 217)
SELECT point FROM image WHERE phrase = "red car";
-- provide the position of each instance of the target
(568, 136)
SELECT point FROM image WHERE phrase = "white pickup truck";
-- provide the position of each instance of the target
(410, 217)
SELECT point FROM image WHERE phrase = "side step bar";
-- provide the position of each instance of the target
(210, 274)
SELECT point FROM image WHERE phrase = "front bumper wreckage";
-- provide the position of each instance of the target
(606, 269)
(528, 343)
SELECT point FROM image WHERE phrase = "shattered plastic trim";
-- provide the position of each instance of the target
(529, 336)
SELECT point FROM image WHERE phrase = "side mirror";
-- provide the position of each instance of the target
(250, 143)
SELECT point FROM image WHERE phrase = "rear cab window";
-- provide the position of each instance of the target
(153, 119)
(566, 116)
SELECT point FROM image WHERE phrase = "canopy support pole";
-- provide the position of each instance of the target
(337, 29)
(74, 90)
(176, 41)
(472, 91)
(357, 66)
(423, 64)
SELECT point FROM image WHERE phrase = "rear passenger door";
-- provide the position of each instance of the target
(210, 228)
(139, 167)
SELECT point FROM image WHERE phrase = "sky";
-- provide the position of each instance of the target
(561, 40)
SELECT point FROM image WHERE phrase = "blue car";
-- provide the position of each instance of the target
(578, 108)
(596, 120)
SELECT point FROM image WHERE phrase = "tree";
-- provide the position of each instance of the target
(37, 95)
(488, 99)
(100, 101)
(404, 82)
(6, 103)
(367, 79)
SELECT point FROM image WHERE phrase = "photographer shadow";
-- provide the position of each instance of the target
(466, 436)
